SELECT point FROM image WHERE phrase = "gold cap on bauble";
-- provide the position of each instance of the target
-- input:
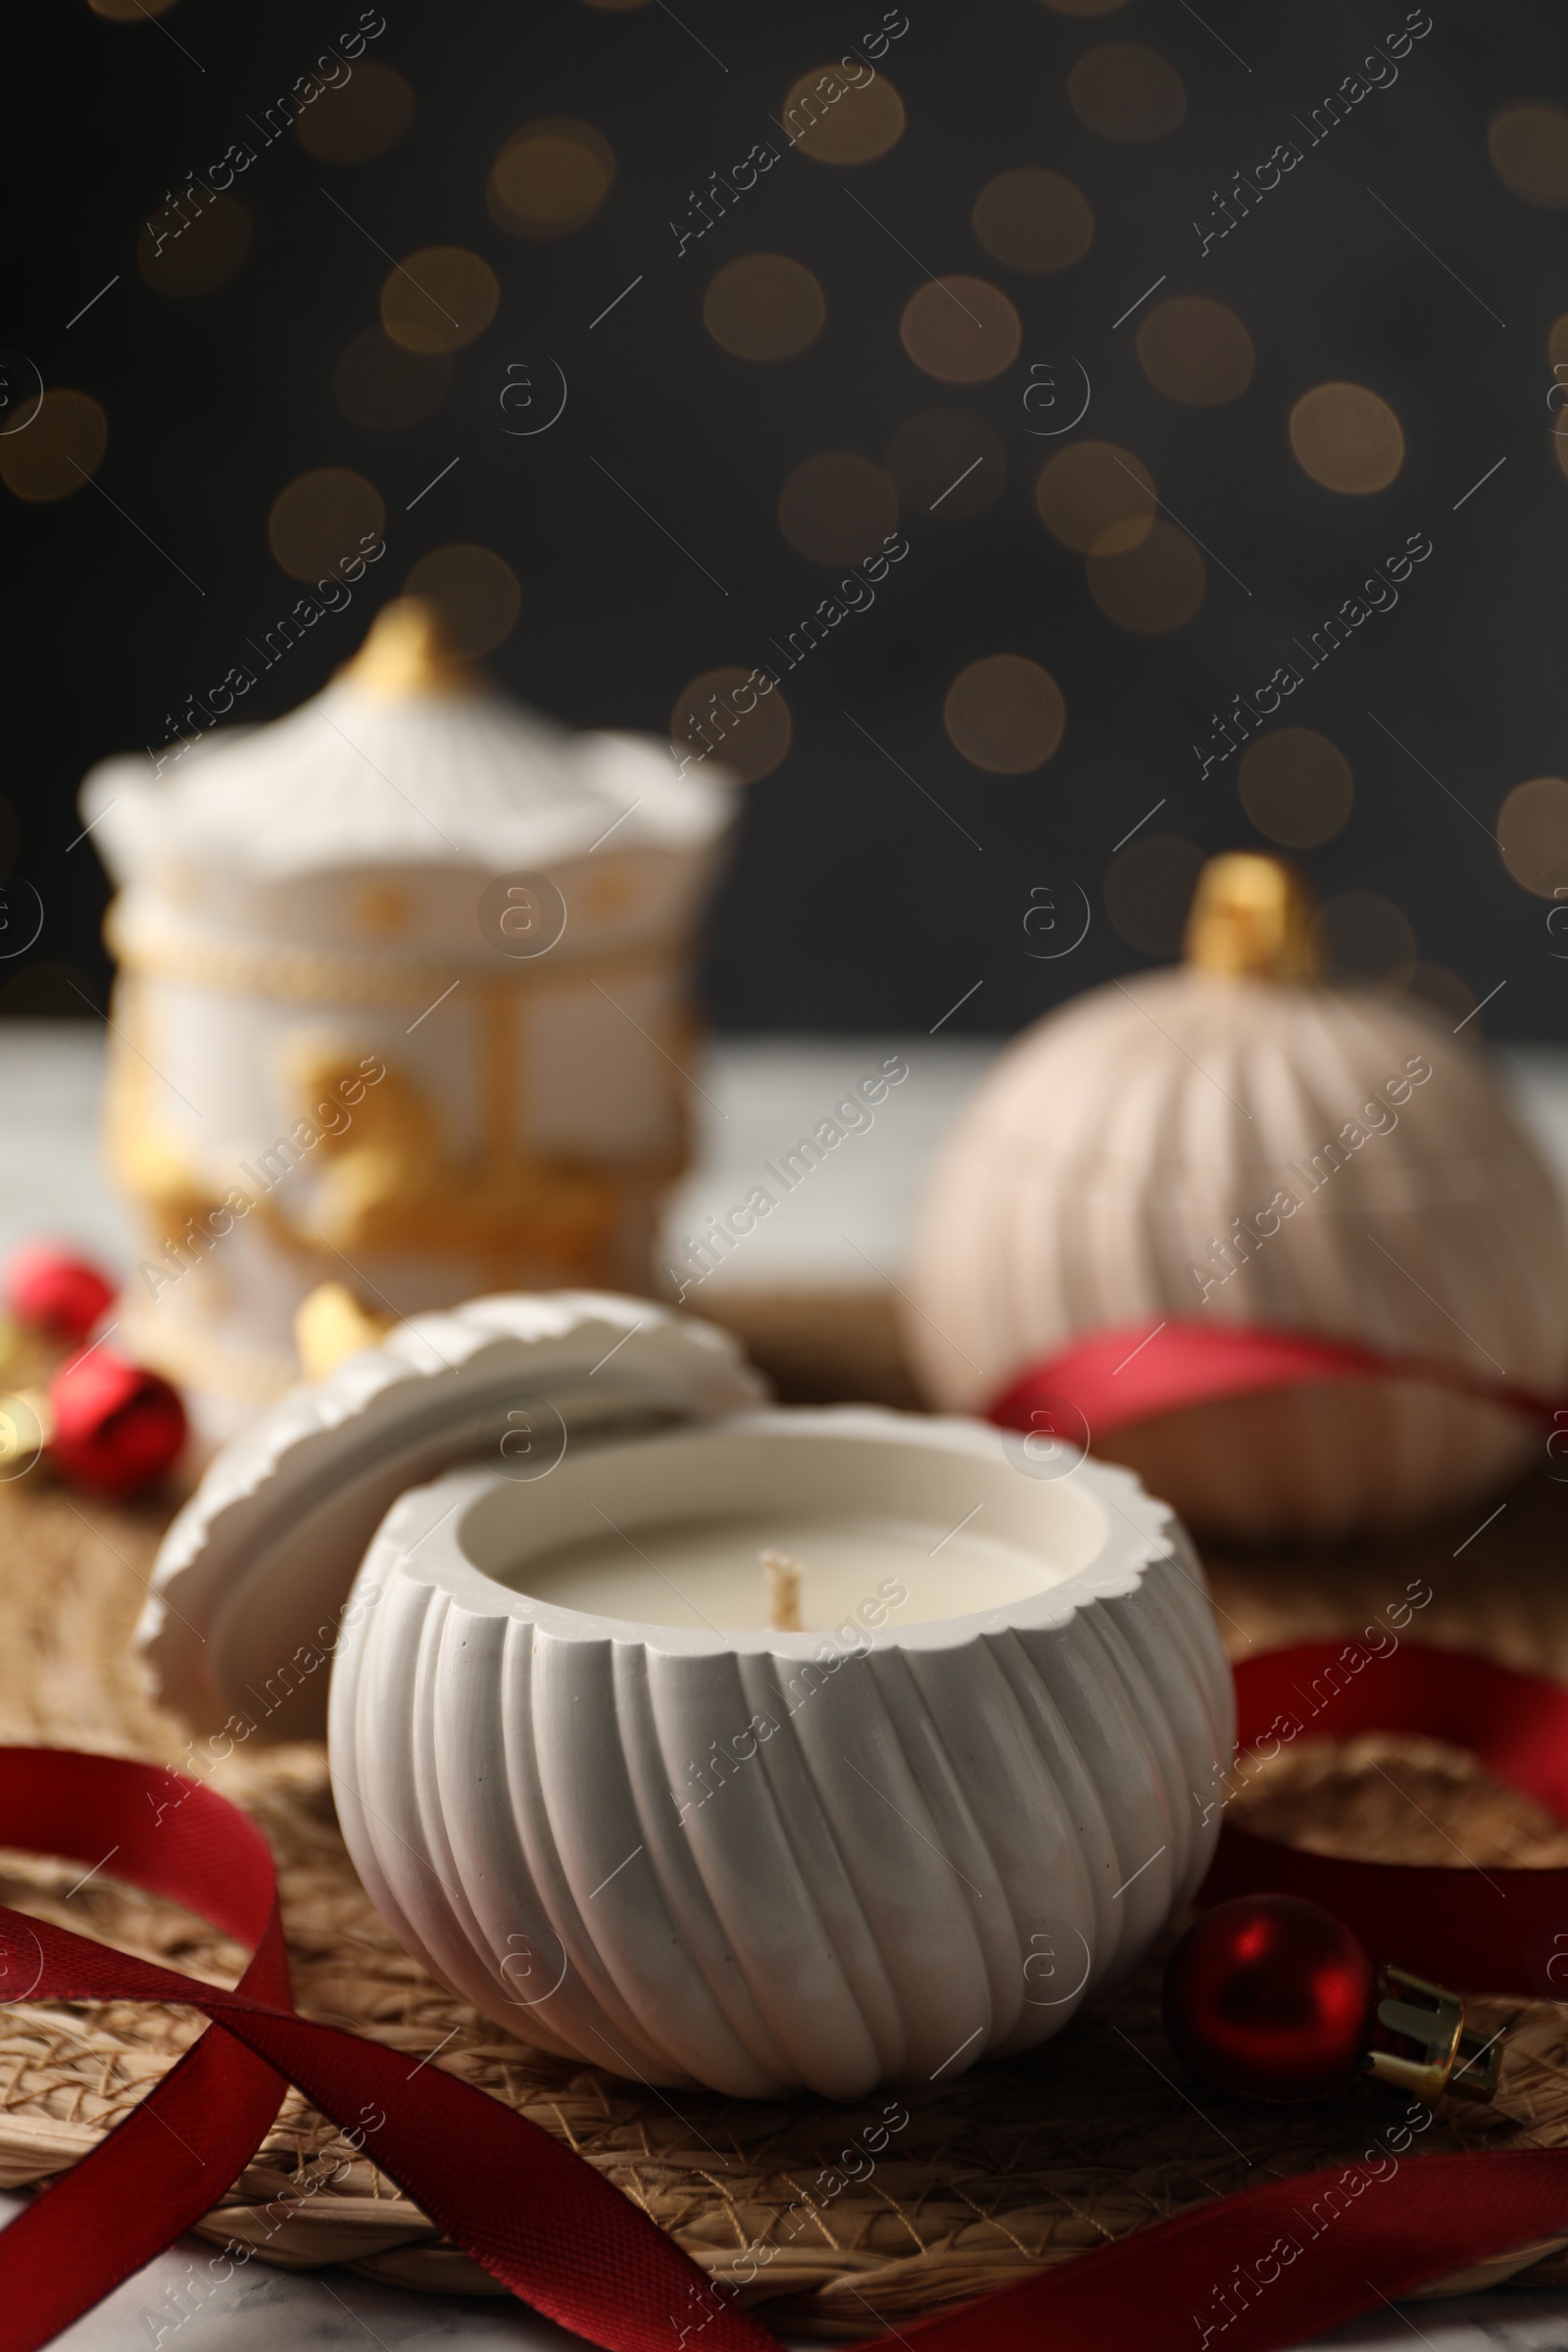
(1252, 916)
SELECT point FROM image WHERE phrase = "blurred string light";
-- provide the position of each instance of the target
(1346, 438)
(386, 388)
(1097, 499)
(862, 122)
(200, 257)
(1532, 832)
(837, 508)
(1127, 93)
(1005, 713)
(763, 305)
(1031, 219)
(1153, 587)
(1146, 889)
(1366, 941)
(550, 177)
(962, 330)
(1196, 350)
(439, 298)
(320, 520)
(1529, 149)
(722, 714)
(947, 464)
(59, 451)
(1442, 991)
(1297, 787)
(475, 591)
(358, 120)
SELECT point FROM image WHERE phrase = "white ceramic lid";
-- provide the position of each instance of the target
(407, 757)
(240, 1627)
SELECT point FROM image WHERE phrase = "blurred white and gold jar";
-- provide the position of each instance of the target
(401, 1004)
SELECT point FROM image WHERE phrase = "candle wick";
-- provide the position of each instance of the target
(783, 1592)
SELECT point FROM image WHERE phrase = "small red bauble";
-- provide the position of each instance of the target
(1272, 1998)
(56, 1292)
(116, 1427)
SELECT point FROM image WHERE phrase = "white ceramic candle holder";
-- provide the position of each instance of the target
(593, 1789)
(762, 1860)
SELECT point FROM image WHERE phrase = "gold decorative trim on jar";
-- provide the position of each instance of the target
(315, 976)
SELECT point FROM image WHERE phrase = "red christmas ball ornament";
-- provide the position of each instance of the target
(55, 1293)
(116, 1426)
(1272, 1998)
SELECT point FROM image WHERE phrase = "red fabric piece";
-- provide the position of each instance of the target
(1116, 1378)
(1253, 2272)
(1492, 1931)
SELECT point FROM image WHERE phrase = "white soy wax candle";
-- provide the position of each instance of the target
(594, 1780)
(591, 1785)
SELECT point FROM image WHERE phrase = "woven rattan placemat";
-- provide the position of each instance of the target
(833, 2219)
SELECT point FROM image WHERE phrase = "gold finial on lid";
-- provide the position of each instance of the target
(1252, 916)
(406, 652)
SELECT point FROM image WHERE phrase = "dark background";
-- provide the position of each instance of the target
(854, 902)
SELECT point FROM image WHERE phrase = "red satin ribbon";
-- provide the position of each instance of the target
(545, 2224)
(1112, 1379)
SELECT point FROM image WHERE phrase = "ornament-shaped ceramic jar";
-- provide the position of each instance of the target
(1232, 1140)
(402, 1003)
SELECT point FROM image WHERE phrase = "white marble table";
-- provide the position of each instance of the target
(849, 1224)
(755, 1097)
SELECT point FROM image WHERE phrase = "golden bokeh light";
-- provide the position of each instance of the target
(475, 589)
(199, 257)
(1148, 888)
(1153, 587)
(1031, 219)
(1005, 713)
(1196, 350)
(360, 118)
(1127, 92)
(381, 385)
(1532, 832)
(840, 121)
(1445, 992)
(1346, 438)
(550, 177)
(439, 298)
(1297, 787)
(763, 305)
(1529, 149)
(58, 450)
(322, 520)
(129, 11)
(963, 331)
(1366, 940)
(837, 509)
(734, 717)
(1097, 499)
(947, 464)
(1557, 343)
